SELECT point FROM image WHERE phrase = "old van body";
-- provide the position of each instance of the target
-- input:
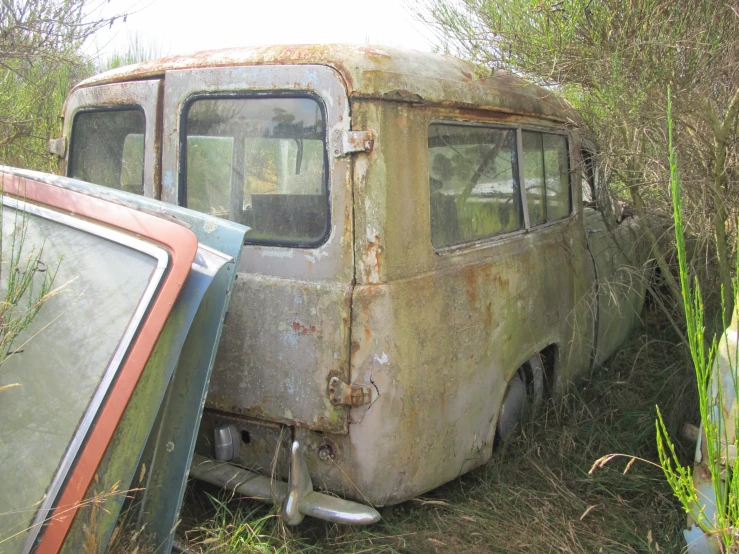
(427, 249)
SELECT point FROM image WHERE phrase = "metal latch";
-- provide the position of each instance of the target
(58, 146)
(342, 394)
(347, 142)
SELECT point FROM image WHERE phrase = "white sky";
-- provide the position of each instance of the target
(183, 26)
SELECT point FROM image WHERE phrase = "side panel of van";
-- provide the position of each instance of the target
(618, 256)
(437, 334)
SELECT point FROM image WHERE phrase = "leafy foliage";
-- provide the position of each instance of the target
(717, 406)
(40, 60)
(613, 59)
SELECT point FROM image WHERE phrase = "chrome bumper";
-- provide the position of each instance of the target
(297, 497)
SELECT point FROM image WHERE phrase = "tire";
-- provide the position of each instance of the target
(524, 395)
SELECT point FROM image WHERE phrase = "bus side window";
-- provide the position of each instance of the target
(589, 196)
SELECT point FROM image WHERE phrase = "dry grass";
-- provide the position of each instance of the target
(534, 496)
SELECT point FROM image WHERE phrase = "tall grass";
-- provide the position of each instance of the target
(137, 51)
(27, 283)
(32, 95)
(716, 512)
(31, 101)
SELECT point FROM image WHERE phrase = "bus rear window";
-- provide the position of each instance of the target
(259, 162)
(107, 148)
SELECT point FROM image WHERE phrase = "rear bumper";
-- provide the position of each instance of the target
(297, 497)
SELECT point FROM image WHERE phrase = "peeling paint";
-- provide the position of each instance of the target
(372, 72)
(382, 360)
(278, 253)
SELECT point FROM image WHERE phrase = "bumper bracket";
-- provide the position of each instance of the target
(296, 496)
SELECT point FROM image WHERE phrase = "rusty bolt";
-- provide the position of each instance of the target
(332, 384)
(326, 453)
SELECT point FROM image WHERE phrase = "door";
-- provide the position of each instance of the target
(618, 259)
(250, 144)
(113, 365)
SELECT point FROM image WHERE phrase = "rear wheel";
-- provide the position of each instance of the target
(525, 393)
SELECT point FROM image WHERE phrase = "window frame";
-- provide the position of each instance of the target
(100, 109)
(570, 165)
(518, 129)
(514, 160)
(255, 94)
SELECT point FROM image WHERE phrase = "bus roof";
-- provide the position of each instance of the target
(376, 72)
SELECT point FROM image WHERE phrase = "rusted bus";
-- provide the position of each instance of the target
(387, 352)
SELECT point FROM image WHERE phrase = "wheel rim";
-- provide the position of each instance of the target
(525, 394)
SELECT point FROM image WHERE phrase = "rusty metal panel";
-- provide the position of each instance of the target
(282, 342)
(439, 350)
(145, 94)
(438, 334)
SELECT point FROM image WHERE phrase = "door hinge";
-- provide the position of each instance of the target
(347, 142)
(58, 146)
(342, 394)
